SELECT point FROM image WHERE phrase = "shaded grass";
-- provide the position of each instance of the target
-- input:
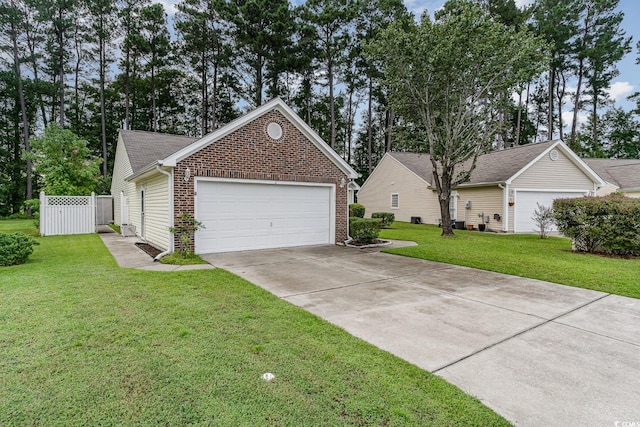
(26, 226)
(83, 342)
(523, 255)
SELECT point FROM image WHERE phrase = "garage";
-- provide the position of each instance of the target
(246, 215)
(526, 204)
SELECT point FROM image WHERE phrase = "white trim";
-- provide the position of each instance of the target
(332, 202)
(397, 206)
(275, 104)
(537, 190)
(454, 198)
(505, 208)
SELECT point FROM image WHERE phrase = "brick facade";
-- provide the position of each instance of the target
(249, 153)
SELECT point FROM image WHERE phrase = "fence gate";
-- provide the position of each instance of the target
(104, 210)
(67, 214)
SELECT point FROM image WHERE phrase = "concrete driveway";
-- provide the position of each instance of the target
(538, 353)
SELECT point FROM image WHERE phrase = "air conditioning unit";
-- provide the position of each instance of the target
(467, 204)
(128, 230)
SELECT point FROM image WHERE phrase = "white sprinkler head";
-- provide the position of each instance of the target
(268, 376)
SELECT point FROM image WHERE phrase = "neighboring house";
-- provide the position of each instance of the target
(619, 174)
(265, 180)
(505, 186)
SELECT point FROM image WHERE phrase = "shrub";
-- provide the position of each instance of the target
(15, 248)
(607, 225)
(386, 218)
(364, 230)
(543, 217)
(356, 210)
(185, 229)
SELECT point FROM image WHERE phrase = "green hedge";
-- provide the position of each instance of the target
(15, 248)
(364, 230)
(606, 225)
(387, 218)
(356, 210)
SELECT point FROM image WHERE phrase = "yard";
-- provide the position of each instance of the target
(83, 342)
(523, 255)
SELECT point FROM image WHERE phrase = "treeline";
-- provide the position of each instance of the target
(95, 66)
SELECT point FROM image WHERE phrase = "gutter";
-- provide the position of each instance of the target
(169, 211)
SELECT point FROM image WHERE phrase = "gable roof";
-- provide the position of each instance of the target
(624, 173)
(496, 167)
(275, 104)
(145, 148)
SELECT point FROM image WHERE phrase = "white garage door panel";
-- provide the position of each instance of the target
(527, 203)
(244, 216)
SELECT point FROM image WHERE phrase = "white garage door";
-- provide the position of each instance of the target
(244, 216)
(526, 204)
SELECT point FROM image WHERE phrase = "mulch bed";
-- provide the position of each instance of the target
(150, 250)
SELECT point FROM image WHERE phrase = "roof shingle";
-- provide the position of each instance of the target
(144, 148)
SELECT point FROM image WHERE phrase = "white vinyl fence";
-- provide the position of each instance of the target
(67, 214)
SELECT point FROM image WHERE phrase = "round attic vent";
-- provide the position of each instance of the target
(274, 130)
(553, 155)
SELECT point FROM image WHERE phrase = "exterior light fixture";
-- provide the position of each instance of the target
(187, 175)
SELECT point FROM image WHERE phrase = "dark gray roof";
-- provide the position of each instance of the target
(494, 167)
(625, 173)
(416, 163)
(144, 148)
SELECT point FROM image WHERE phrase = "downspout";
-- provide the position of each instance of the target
(505, 207)
(169, 211)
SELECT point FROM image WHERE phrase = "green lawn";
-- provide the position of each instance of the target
(83, 342)
(523, 255)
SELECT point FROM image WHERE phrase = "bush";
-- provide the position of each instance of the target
(356, 210)
(386, 218)
(543, 217)
(364, 230)
(15, 248)
(607, 225)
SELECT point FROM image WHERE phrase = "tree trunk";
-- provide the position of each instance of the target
(518, 121)
(552, 76)
(204, 102)
(154, 117)
(258, 94)
(332, 112)
(36, 79)
(594, 121)
(103, 113)
(369, 130)
(390, 118)
(23, 109)
(61, 70)
(214, 99)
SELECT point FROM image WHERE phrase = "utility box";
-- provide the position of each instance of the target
(128, 230)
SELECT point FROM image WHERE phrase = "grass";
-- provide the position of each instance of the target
(83, 342)
(115, 227)
(523, 255)
(177, 258)
(26, 226)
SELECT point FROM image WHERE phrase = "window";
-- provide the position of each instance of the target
(453, 205)
(395, 203)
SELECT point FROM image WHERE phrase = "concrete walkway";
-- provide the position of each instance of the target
(128, 255)
(538, 353)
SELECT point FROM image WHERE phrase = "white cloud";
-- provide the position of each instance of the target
(620, 90)
(567, 119)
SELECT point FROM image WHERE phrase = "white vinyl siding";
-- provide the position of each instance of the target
(414, 196)
(121, 170)
(547, 174)
(487, 200)
(156, 200)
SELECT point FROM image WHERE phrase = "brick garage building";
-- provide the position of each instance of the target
(265, 180)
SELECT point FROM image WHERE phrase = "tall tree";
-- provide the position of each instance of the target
(446, 76)
(59, 15)
(103, 21)
(12, 17)
(331, 21)
(205, 43)
(557, 22)
(154, 43)
(263, 31)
